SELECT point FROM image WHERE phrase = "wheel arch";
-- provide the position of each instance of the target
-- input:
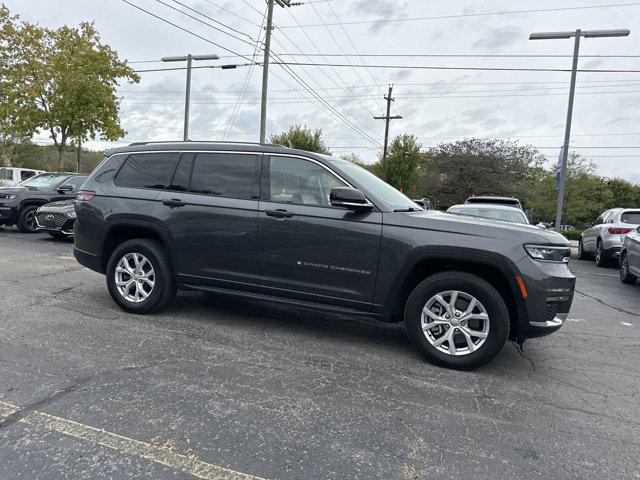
(120, 231)
(496, 269)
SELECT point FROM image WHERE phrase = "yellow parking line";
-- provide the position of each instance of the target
(162, 455)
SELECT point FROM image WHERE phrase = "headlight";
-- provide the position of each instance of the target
(8, 197)
(71, 214)
(548, 253)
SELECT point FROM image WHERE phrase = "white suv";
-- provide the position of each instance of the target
(604, 238)
(10, 176)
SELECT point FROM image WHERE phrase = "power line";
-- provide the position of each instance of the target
(465, 15)
(234, 14)
(184, 30)
(429, 67)
(169, 69)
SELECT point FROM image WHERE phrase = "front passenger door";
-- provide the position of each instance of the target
(308, 248)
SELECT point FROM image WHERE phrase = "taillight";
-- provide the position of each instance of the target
(619, 231)
(84, 195)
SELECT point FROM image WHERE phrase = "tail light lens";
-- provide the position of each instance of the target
(619, 231)
(84, 195)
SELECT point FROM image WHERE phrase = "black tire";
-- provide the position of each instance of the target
(625, 276)
(59, 235)
(27, 221)
(469, 284)
(582, 255)
(164, 289)
(602, 259)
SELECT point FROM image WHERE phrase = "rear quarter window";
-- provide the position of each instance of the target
(147, 170)
(632, 218)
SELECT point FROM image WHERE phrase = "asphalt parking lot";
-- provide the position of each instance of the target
(225, 389)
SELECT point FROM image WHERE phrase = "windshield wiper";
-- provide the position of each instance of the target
(408, 209)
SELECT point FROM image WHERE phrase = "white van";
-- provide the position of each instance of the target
(10, 176)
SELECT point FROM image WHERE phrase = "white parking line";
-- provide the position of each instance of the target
(595, 273)
(627, 324)
(185, 463)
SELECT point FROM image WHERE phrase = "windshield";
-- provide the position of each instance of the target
(395, 199)
(44, 181)
(630, 217)
(6, 174)
(488, 212)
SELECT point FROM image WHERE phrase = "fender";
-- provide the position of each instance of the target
(443, 253)
(144, 223)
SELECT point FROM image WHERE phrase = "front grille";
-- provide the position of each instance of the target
(50, 220)
(552, 310)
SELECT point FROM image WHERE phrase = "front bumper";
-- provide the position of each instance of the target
(8, 214)
(550, 288)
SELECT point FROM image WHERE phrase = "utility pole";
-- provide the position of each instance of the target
(387, 118)
(574, 70)
(189, 58)
(265, 62)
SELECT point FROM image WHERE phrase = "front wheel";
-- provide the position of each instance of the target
(139, 276)
(27, 219)
(457, 320)
(582, 255)
(625, 275)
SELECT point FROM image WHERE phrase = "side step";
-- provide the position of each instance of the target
(292, 302)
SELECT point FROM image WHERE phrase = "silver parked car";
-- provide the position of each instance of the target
(630, 257)
(497, 212)
(604, 238)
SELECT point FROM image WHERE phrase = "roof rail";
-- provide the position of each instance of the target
(206, 141)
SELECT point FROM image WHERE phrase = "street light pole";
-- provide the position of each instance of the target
(189, 58)
(574, 70)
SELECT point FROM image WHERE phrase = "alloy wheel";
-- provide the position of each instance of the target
(135, 277)
(30, 221)
(455, 323)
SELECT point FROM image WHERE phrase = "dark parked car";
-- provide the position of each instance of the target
(18, 205)
(308, 230)
(57, 218)
(509, 201)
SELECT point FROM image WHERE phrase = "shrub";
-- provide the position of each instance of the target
(572, 234)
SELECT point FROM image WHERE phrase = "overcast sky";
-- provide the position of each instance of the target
(437, 105)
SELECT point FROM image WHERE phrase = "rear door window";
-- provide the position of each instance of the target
(632, 218)
(147, 170)
(229, 175)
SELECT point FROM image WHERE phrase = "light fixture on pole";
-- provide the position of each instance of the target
(574, 70)
(188, 58)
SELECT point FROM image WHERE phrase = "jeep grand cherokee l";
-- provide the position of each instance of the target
(309, 230)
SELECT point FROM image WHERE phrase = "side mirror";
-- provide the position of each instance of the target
(65, 188)
(350, 198)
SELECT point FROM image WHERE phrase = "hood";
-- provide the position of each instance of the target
(483, 227)
(61, 206)
(13, 190)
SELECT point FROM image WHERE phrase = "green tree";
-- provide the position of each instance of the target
(302, 138)
(402, 162)
(62, 81)
(483, 167)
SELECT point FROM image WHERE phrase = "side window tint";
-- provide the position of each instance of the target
(147, 170)
(298, 181)
(223, 174)
(26, 174)
(180, 180)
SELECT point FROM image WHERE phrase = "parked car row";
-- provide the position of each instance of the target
(42, 203)
(604, 239)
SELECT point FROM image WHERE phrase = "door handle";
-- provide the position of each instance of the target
(173, 203)
(279, 213)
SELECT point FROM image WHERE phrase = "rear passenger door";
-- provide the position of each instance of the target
(211, 213)
(590, 235)
(308, 248)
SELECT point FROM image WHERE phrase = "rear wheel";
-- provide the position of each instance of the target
(27, 219)
(625, 276)
(139, 276)
(456, 320)
(602, 259)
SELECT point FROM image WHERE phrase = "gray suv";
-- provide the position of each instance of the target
(312, 231)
